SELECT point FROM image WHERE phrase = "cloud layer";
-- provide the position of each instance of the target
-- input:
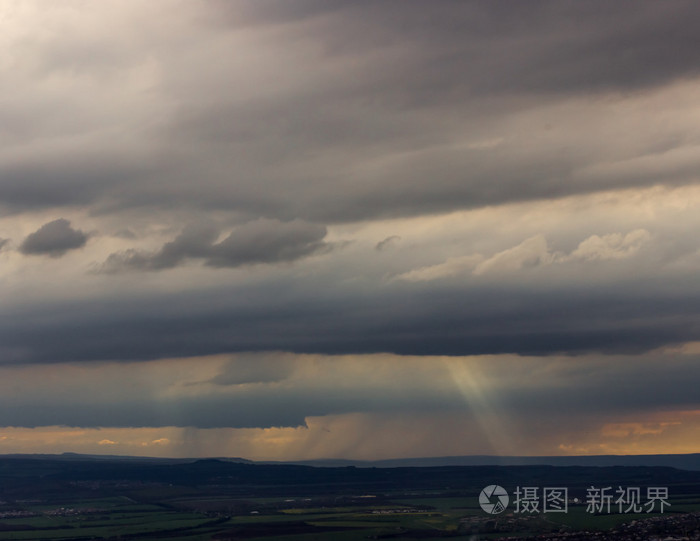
(249, 182)
(492, 404)
(312, 124)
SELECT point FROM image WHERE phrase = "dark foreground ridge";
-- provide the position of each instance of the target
(81, 498)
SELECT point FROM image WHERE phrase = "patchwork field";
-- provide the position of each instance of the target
(218, 500)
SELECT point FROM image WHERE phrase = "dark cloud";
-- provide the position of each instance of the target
(411, 74)
(387, 242)
(268, 241)
(438, 107)
(252, 368)
(3, 243)
(261, 408)
(195, 241)
(376, 127)
(219, 411)
(314, 316)
(524, 389)
(494, 47)
(53, 239)
(271, 13)
(260, 241)
(125, 234)
(80, 177)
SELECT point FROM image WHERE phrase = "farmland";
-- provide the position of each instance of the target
(52, 499)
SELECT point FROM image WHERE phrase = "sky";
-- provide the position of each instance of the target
(286, 230)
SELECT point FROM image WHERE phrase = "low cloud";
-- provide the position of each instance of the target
(529, 253)
(53, 239)
(260, 241)
(454, 266)
(534, 252)
(106, 442)
(125, 234)
(159, 441)
(387, 242)
(613, 246)
(516, 389)
(256, 368)
(268, 241)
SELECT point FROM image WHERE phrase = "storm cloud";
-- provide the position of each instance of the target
(275, 207)
(261, 241)
(245, 394)
(419, 116)
(53, 239)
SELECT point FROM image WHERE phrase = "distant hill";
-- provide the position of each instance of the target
(120, 458)
(52, 477)
(682, 462)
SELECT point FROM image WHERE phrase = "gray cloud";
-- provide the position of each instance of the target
(261, 241)
(53, 239)
(387, 242)
(268, 241)
(524, 389)
(84, 173)
(313, 315)
(304, 135)
(125, 234)
(450, 69)
(256, 368)
(3, 243)
(567, 47)
(391, 125)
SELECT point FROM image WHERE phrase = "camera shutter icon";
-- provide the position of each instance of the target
(493, 499)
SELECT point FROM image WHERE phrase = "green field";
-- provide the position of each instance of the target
(211, 501)
(106, 518)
